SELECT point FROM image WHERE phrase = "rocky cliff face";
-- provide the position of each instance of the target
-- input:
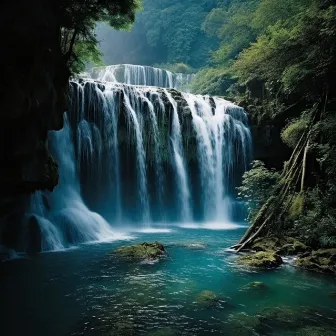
(33, 99)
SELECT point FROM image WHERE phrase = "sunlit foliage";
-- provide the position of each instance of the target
(257, 186)
(77, 24)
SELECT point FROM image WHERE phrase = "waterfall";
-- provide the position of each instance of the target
(141, 75)
(140, 152)
(217, 134)
(141, 156)
(181, 174)
(66, 220)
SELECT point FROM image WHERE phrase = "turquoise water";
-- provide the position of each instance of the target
(90, 291)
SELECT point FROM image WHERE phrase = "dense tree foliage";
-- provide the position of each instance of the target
(278, 59)
(166, 31)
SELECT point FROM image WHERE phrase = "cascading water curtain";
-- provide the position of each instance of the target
(141, 156)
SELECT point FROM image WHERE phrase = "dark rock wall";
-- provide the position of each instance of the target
(33, 99)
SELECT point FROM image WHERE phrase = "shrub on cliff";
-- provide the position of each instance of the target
(292, 133)
(257, 187)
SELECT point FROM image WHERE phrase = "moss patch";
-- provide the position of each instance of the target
(261, 260)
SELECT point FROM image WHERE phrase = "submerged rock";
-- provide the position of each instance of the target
(207, 298)
(255, 286)
(323, 261)
(261, 260)
(192, 246)
(151, 251)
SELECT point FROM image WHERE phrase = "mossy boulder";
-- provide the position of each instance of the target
(261, 260)
(327, 253)
(323, 261)
(265, 244)
(207, 298)
(293, 247)
(280, 245)
(144, 251)
(256, 286)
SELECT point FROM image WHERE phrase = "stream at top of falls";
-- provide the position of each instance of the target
(89, 290)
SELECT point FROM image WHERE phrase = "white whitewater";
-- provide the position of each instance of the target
(140, 155)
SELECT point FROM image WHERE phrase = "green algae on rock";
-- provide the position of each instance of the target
(142, 251)
(261, 260)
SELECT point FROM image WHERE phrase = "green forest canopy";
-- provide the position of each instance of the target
(165, 31)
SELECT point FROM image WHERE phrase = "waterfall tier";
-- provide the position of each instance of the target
(141, 75)
(140, 155)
